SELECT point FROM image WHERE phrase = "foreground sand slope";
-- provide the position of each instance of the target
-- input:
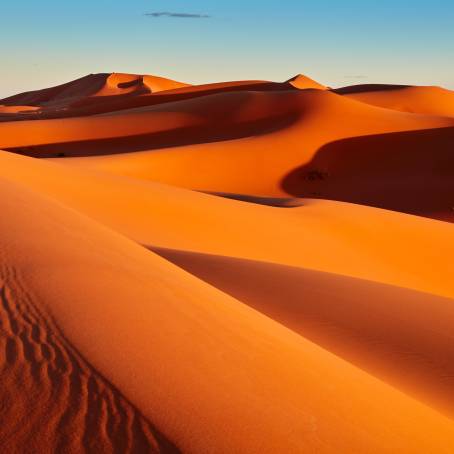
(399, 335)
(336, 237)
(211, 374)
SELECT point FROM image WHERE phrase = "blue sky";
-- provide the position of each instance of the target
(46, 42)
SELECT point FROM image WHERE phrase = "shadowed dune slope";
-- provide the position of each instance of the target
(103, 93)
(399, 335)
(374, 156)
(107, 85)
(85, 86)
(122, 84)
(93, 85)
(211, 118)
(422, 100)
(236, 267)
(185, 333)
(336, 237)
(410, 172)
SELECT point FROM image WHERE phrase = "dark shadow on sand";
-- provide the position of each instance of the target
(411, 172)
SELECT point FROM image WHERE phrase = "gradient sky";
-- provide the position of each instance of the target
(47, 42)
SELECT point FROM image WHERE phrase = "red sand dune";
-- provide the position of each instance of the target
(382, 329)
(102, 84)
(265, 143)
(303, 82)
(188, 273)
(423, 100)
(16, 109)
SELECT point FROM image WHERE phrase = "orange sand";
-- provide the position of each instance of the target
(423, 100)
(233, 267)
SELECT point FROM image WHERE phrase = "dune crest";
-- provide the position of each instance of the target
(234, 267)
(302, 82)
(422, 100)
(122, 84)
(379, 328)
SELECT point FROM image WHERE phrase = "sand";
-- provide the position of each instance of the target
(422, 100)
(245, 266)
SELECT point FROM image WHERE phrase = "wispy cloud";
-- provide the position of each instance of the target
(178, 15)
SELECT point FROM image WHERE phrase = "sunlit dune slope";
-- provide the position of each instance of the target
(302, 82)
(16, 109)
(336, 237)
(121, 84)
(308, 143)
(104, 98)
(423, 100)
(232, 267)
(399, 335)
(215, 117)
(103, 93)
(206, 371)
(92, 86)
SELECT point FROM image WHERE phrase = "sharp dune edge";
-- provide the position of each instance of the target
(247, 266)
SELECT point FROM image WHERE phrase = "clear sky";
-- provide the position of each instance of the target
(46, 42)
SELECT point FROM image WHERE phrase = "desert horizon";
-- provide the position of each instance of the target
(227, 228)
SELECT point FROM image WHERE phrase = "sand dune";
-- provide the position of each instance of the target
(329, 162)
(380, 328)
(121, 84)
(303, 82)
(103, 93)
(423, 100)
(16, 109)
(323, 235)
(211, 118)
(186, 333)
(93, 85)
(246, 266)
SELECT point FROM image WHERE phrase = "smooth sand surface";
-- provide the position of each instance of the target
(208, 373)
(236, 267)
(423, 100)
(380, 328)
(276, 144)
(324, 235)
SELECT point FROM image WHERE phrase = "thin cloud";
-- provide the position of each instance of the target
(178, 15)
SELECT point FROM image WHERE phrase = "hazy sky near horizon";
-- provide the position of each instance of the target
(47, 42)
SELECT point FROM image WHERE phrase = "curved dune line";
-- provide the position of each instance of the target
(374, 156)
(353, 240)
(423, 100)
(402, 336)
(214, 375)
(217, 269)
(215, 117)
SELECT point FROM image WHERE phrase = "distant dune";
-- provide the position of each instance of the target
(236, 267)
(303, 82)
(423, 100)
